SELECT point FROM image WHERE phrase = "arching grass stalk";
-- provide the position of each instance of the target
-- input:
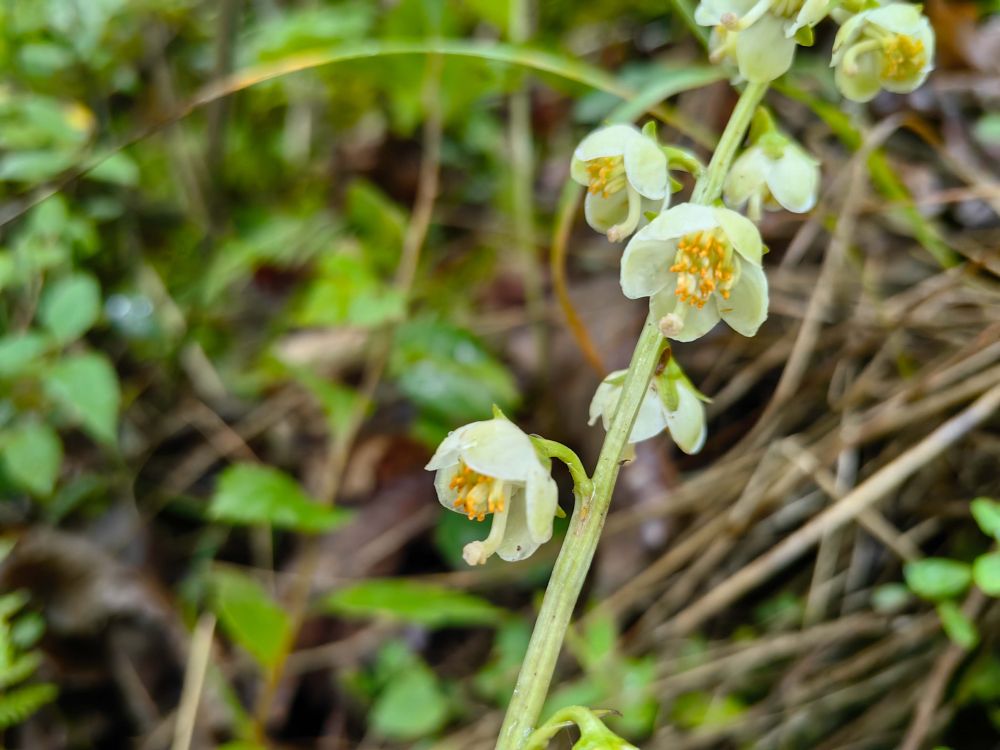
(588, 518)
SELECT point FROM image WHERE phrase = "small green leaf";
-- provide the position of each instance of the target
(986, 573)
(414, 602)
(71, 306)
(86, 386)
(32, 454)
(118, 169)
(937, 578)
(987, 514)
(19, 351)
(250, 617)
(959, 628)
(249, 494)
(34, 166)
(411, 707)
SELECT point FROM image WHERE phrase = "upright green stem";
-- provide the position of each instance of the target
(588, 520)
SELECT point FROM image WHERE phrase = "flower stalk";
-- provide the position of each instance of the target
(588, 519)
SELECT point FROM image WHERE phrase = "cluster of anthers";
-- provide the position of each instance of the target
(607, 175)
(478, 494)
(703, 264)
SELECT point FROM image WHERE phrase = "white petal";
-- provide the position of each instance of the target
(603, 213)
(847, 35)
(863, 85)
(541, 498)
(687, 424)
(675, 222)
(811, 13)
(646, 167)
(447, 452)
(517, 543)
(446, 495)
(899, 18)
(651, 420)
(746, 307)
(794, 180)
(763, 52)
(645, 266)
(746, 177)
(696, 322)
(602, 405)
(607, 141)
(498, 448)
(578, 171)
(743, 233)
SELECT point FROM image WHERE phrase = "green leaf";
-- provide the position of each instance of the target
(986, 573)
(411, 707)
(448, 372)
(32, 454)
(959, 628)
(937, 578)
(18, 705)
(250, 494)
(118, 169)
(19, 351)
(348, 292)
(34, 166)
(71, 306)
(986, 511)
(706, 710)
(86, 386)
(414, 602)
(250, 617)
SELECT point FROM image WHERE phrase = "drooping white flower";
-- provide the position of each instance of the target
(491, 468)
(671, 403)
(625, 172)
(759, 35)
(774, 172)
(698, 264)
(890, 47)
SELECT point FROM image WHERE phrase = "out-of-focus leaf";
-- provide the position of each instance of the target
(32, 454)
(379, 222)
(987, 129)
(412, 706)
(959, 628)
(250, 617)
(251, 494)
(705, 710)
(34, 166)
(937, 578)
(496, 680)
(986, 573)
(348, 292)
(17, 705)
(448, 372)
(118, 169)
(338, 401)
(414, 602)
(19, 351)
(71, 306)
(891, 597)
(86, 386)
(303, 29)
(986, 511)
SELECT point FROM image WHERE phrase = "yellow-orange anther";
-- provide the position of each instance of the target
(902, 57)
(703, 264)
(606, 175)
(478, 494)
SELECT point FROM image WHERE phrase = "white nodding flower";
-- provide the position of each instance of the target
(890, 47)
(775, 172)
(671, 403)
(491, 468)
(698, 264)
(625, 173)
(759, 35)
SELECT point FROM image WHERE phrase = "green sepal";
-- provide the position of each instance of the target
(805, 36)
(666, 386)
(649, 130)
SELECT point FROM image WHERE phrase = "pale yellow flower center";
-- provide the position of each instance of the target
(478, 494)
(703, 264)
(607, 175)
(902, 57)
